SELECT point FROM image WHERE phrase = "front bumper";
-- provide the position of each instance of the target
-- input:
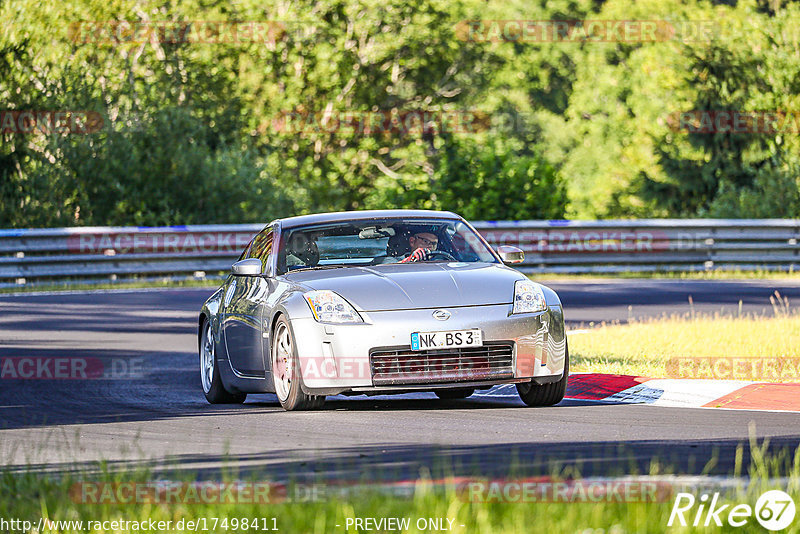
(335, 358)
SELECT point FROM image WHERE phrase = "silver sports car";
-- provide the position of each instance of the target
(379, 302)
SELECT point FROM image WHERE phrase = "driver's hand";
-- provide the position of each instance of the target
(421, 254)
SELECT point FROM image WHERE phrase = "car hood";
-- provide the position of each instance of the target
(425, 285)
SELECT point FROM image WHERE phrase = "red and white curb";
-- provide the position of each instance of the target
(687, 393)
(682, 393)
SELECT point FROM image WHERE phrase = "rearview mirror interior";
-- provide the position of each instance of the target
(248, 267)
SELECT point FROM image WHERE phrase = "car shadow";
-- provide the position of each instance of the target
(393, 462)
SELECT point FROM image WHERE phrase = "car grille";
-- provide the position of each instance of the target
(402, 366)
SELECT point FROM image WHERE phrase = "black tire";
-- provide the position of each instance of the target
(296, 398)
(317, 403)
(454, 394)
(216, 393)
(546, 394)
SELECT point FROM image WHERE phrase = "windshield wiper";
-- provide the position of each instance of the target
(315, 268)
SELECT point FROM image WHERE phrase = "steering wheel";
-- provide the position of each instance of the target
(444, 255)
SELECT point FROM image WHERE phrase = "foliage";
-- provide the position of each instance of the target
(196, 131)
(630, 156)
(480, 181)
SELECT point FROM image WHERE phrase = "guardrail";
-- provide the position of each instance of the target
(651, 244)
(119, 253)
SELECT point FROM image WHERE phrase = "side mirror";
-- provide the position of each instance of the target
(248, 267)
(510, 254)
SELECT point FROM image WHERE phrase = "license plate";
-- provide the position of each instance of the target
(446, 339)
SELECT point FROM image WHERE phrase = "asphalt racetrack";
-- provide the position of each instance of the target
(160, 419)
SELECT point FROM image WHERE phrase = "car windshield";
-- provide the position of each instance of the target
(378, 242)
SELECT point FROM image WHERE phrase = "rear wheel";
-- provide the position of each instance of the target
(209, 372)
(545, 394)
(286, 374)
(454, 394)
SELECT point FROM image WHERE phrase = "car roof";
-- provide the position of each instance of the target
(340, 216)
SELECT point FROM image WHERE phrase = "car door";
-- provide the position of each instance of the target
(244, 313)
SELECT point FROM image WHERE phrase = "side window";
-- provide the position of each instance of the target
(246, 251)
(261, 248)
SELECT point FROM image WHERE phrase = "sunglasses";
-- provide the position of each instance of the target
(427, 242)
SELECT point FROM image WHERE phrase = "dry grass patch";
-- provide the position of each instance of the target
(743, 347)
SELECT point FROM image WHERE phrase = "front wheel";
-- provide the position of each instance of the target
(286, 376)
(209, 372)
(546, 394)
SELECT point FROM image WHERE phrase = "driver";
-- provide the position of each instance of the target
(301, 251)
(422, 243)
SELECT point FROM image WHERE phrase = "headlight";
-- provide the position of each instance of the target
(328, 307)
(528, 297)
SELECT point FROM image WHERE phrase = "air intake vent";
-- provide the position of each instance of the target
(402, 366)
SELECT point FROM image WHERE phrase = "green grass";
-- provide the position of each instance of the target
(643, 347)
(128, 284)
(31, 496)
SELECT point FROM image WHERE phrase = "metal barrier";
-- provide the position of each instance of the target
(114, 253)
(650, 244)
